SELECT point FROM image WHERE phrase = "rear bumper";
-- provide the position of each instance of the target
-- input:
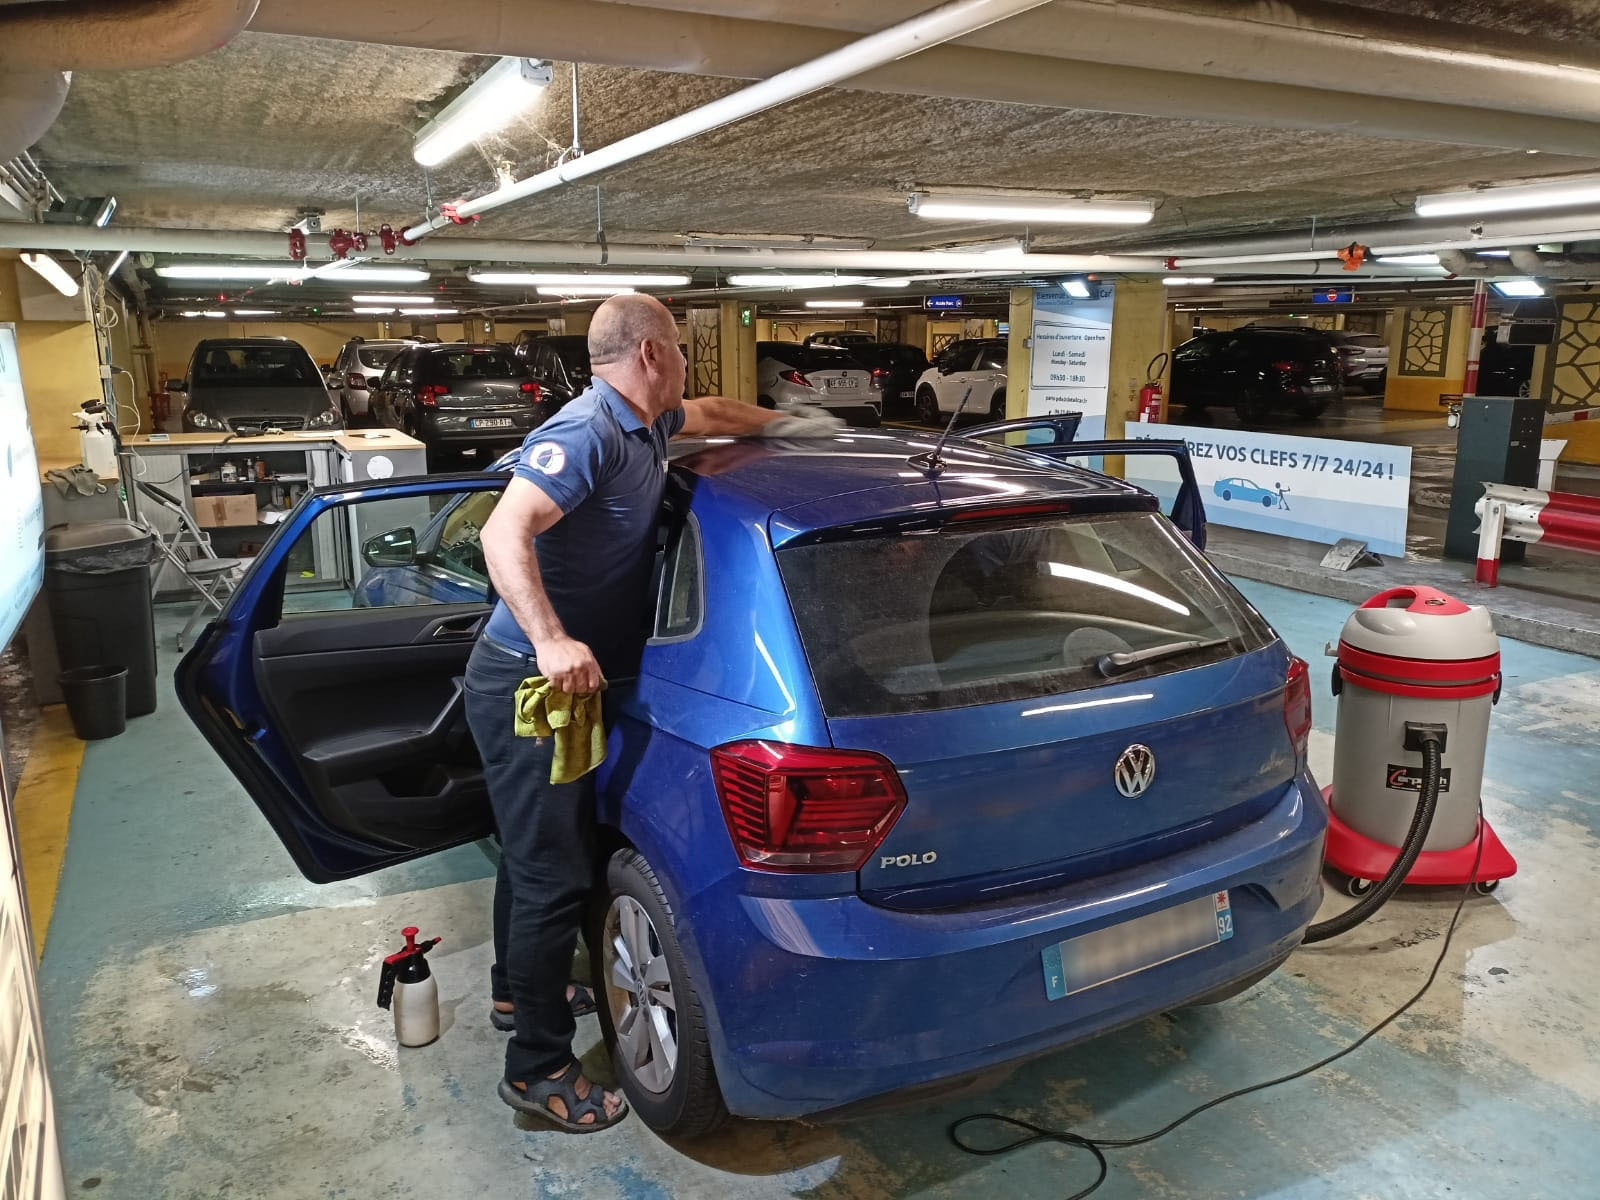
(453, 429)
(823, 1003)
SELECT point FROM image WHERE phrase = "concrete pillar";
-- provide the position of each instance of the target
(1427, 356)
(1019, 358)
(1139, 332)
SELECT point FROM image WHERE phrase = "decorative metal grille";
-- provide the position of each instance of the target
(1424, 346)
(705, 352)
(1576, 381)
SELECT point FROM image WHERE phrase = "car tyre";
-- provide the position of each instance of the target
(1251, 408)
(1312, 411)
(687, 1101)
(927, 406)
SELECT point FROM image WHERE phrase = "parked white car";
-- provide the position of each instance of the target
(357, 370)
(976, 365)
(790, 376)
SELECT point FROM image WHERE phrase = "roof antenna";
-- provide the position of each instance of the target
(931, 461)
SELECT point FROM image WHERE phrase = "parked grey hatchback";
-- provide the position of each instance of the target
(247, 386)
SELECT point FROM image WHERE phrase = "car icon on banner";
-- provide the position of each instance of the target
(1246, 491)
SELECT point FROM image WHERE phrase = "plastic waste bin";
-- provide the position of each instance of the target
(97, 580)
(97, 700)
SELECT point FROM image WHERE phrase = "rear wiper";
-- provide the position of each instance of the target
(1126, 660)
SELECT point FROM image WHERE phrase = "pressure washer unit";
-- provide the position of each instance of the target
(1417, 675)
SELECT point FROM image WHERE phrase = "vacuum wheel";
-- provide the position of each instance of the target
(1358, 887)
(1485, 887)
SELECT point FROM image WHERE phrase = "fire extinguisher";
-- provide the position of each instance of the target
(1150, 393)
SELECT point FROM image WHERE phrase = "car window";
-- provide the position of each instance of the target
(473, 364)
(1197, 349)
(391, 552)
(895, 625)
(680, 606)
(373, 357)
(254, 366)
(992, 359)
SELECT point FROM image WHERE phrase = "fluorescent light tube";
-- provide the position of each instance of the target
(395, 299)
(212, 313)
(116, 264)
(1076, 288)
(1410, 260)
(1517, 198)
(1186, 280)
(226, 272)
(1041, 210)
(1493, 253)
(575, 279)
(255, 312)
(490, 103)
(372, 312)
(52, 273)
(780, 280)
(429, 312)
(834, 303)
(107, 210)
(1519, 289)
(586, 290)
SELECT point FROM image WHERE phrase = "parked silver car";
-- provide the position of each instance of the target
(789, 376)
(1363, 360)
(357, 370)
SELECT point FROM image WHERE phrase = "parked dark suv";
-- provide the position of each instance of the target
(896, 367)
(559, 364)
(458, 398)
(1258, 371)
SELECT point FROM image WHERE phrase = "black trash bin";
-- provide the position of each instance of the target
(97, 579)
(97, 700)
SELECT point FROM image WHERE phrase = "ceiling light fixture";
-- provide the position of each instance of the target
(225, 272)
(394, 299)
(429, 312)
(587, 290)
(571, 279)
(103, 214)
(210, 312)
(255, 312)
(1494, 254)
(490, 103)
(1409, 260)
(777, 279)
(1076, 288)
(367, 311)
(1516, 198)
(835, 303)
(116, 264)
(900, 282)
(52, 273)
(1518, 289)
(1030, 210)
(1186, 280)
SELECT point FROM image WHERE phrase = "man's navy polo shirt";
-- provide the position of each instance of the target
(605, 469)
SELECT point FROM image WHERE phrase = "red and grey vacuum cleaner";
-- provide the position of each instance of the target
(1417, 675)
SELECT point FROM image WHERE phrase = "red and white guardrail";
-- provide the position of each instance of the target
(1520, 514)
(1569, 415)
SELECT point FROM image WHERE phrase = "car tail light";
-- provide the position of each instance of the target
(1287, 366)
(879, 375)
(356, 381)
(428, 396)
(795, 377)
(800, 808)
(1297, 705)
(530, 388)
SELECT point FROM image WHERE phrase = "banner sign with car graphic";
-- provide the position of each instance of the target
(22, 544)
(1315, 489)
(1071, 365)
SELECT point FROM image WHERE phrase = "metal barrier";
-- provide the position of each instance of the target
(1521, 514)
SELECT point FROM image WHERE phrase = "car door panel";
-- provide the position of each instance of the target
(347, 726)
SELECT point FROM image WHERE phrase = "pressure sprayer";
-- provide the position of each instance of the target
(1417, 675)
(97, 444)
(407, 981)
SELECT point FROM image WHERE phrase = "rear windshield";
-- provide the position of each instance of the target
(936, 621)
(377, 357)
(474, 364)
(1371, 340)
(255, 366)
(574, 353)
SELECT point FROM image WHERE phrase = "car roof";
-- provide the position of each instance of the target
(801, 487)
(249, 341)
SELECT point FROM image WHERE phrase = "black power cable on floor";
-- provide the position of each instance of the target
(1098, 1146)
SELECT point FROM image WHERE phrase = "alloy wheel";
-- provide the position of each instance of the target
(644, 1011)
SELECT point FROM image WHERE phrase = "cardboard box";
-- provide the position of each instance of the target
(218, 512)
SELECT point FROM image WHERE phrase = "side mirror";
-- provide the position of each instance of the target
(397, 548)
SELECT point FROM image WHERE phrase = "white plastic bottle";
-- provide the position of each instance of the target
(409, 985)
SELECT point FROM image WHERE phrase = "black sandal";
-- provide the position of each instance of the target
(582, 1005)
(535, 1101)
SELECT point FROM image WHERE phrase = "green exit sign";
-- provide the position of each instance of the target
(744, 317)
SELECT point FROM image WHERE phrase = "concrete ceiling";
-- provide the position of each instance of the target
(245, 137)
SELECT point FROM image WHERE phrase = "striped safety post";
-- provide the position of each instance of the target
(1519, 514)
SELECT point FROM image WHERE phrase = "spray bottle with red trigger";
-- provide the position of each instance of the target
(407, 982)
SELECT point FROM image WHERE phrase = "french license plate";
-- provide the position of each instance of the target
(908, 395)
(490, 423)
(1092, 959)
(839, 383)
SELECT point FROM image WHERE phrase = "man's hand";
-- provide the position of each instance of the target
(568, 664)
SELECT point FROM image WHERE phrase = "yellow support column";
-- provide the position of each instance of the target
(1427, 356)
(1019, 358)
(737, 323)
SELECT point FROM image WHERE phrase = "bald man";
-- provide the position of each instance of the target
(569, 548)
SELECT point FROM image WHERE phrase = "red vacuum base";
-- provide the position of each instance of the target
(1359, 857)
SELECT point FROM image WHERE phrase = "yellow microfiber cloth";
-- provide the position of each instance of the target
(543, 710)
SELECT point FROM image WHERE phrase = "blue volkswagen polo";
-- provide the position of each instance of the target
(932, 763)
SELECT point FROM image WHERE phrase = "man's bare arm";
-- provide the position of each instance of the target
(717, 416)
(524, 512)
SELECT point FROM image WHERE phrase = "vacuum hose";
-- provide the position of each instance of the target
(1429, 739)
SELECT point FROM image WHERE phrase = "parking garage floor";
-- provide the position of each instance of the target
(212, 1030)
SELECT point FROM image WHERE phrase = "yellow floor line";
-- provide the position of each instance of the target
(43, 807)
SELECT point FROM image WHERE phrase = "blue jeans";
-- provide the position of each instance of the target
(547, 865)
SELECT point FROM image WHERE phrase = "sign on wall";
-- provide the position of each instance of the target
(22, 533)
(1071, 362)
(941, 303)
(1315, 489)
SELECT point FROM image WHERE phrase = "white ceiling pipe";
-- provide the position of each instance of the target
(71, 35)
(726, 47)
(938, 25)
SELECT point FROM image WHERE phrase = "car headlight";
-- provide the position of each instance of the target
(325, 419)
(204, 420)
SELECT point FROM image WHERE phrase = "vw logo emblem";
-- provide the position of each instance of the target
(1135, 771)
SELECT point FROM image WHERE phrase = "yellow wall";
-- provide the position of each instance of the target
(1019, 357)
(60, 370)
(175, 340)
(1139, 332)
(1420, 393)
(738, 343)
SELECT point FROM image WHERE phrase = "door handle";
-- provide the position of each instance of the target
(456, 629)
